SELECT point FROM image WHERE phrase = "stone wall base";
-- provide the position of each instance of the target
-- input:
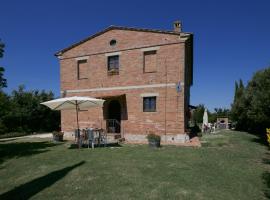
(141, 138)
(165, 139)
(69, 135)
(177, 139)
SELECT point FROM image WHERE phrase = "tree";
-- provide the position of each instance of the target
(4, 110)
(258, 97)
(197, 116)
(239, 107)
(3, 81)
(218, 112)
(4, 101)
(2, 46)
(21, 111)
(26, 113)
(250, 108)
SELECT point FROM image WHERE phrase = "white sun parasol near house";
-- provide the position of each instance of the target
(74, 103)
(205, 118)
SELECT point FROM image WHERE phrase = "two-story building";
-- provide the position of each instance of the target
(143, 74)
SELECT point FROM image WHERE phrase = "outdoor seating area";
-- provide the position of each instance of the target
(90, 137)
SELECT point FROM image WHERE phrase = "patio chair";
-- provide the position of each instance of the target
(90, 136)
(78, 137)
(103, 137)
(77, 133)
(83, 137)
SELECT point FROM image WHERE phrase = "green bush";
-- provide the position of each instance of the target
(21, 111)
(57, 133)
(194, 131)
(152, 137)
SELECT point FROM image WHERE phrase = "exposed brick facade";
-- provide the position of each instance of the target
(173, 62)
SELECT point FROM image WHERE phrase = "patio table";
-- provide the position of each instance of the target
(83, 136)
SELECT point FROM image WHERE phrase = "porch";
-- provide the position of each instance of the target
(114, 114)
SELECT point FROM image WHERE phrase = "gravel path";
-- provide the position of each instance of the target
(43, 135)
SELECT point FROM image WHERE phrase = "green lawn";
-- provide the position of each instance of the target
(230, 165)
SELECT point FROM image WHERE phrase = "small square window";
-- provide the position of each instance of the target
(149, 104)
(113, 64)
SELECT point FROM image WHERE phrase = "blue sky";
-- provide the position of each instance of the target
(232, 38)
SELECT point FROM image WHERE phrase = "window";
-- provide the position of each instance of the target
(113, 64)
(149, 104)
(113, 42)
(82, 69)
(150, 61)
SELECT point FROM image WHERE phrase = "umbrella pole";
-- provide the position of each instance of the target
(77, 114)
(78, 129)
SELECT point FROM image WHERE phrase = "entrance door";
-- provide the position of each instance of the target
(114, 117)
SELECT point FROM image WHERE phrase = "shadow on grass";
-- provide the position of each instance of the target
(29, 189)
(75, 146)
(216, 142)
(259, 140)
(21, 149)
(266, 160)
(266, 180)
(266, 176)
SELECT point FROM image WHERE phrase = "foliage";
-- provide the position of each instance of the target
(268, 135)
(153, 137)
(5, 108)
(194, 131)
(222, 112)
(3, 81)
(22, 112)
(58, 136)
(2, 46)
(197, 115)
(258, 101)
(218, 112)
(238, 109)
(250, 108)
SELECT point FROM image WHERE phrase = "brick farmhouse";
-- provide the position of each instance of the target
(143, 74)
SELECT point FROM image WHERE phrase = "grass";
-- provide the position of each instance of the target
(230, 165)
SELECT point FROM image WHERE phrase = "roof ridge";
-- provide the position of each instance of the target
(113, 27)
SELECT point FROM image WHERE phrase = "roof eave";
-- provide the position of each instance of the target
(60, 53)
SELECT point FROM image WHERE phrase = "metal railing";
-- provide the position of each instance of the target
(113, 126)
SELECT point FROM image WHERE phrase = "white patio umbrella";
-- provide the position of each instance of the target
(71, 103)
(205, 118)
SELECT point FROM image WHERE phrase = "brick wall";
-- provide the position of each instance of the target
(169, 118)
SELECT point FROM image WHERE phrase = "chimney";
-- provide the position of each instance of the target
(177, 25)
